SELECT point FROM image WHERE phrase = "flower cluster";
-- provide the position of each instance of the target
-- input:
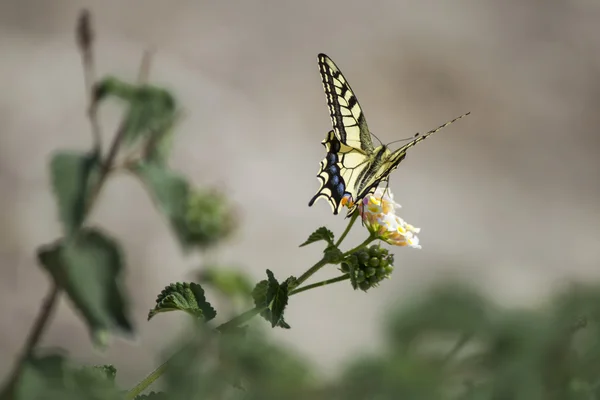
(378, 212)
(368, 267)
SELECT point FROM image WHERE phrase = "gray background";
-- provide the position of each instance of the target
(506, 198)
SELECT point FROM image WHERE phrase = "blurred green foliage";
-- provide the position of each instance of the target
(448, 343)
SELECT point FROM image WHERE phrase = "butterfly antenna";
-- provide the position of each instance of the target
(372, 134)
(439, 128)
(416, 135)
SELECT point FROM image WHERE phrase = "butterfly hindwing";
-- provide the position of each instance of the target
(339, 172)
(349, 123)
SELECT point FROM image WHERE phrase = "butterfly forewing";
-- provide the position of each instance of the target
(348, 120)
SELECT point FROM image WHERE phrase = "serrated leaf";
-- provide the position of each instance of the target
(71, 174)
(273, 287)
(270, 294)
(279, 304)
(333, 255)
(89, 269)
(187, 297)
(352, 274)
(321, 233)
(52, 377)
(170, 192)
(259, 294)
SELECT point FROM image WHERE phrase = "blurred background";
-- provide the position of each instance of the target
(506, 198)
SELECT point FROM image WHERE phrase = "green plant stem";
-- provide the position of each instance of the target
(49, 303)
(319, 284)
(149, 380)
(233, 323)
(248, 315)
(360, 246)
(462, 341)
(240, 319)
(39, 326)
(352, 220)
(311, 271)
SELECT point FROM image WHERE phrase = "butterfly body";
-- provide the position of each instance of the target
(353, 167)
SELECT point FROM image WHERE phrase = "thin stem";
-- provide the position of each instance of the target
(39, 326)
(248, 315)
(319, 284)
(235, 322)
(85, 40)
(149, 380)
(353, 218)
(360, 246)
(108, 164)
(462, 341)
(49, 304)
(311, 271)
(240, 319)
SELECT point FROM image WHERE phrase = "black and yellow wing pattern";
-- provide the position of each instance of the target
(353, 167)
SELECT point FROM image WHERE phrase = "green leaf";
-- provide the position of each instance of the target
(113, 87)
(333, 255)
(157, 148)
(274, 297)
(259, 294)
(231, 282)
(151, 110)
(88, 268)
(279, 304)
(108, 371)
(187, 297)
(170, 192)
(320, 234)
(52, 377)
(153, 396)
(71, 174)
(273, 288)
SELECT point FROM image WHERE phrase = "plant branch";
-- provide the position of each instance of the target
(462, 341)
(47, 308)
(85, 41)
(353, 218)
(240, 319)
(35, 334)
(319, 284)
(360, 246)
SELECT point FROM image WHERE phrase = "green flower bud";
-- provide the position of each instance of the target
(363, 257)
(345, 267)
(360, 276)
(369, 266)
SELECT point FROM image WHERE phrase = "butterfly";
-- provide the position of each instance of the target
(353, 168)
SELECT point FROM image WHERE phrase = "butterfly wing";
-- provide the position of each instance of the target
(339, 172)
(349, 123)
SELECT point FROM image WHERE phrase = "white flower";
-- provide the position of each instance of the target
(378, 212)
